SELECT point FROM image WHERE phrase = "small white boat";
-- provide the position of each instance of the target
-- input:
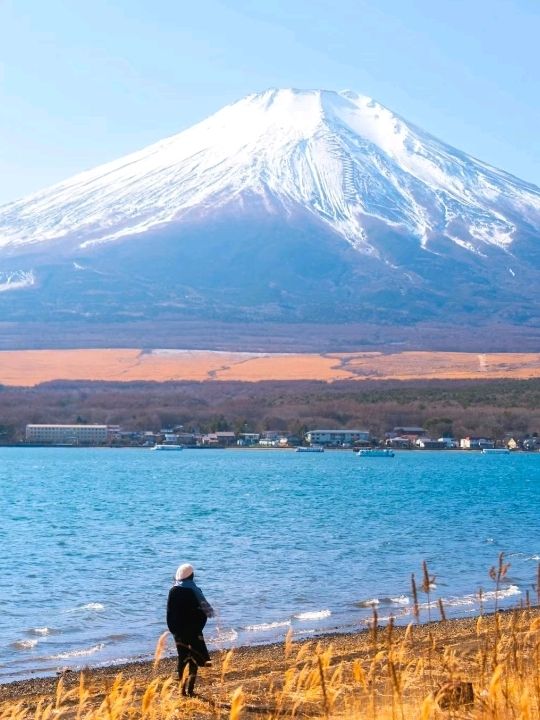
(310, 448)
(375, 452)
(495, 451)
(167, 447)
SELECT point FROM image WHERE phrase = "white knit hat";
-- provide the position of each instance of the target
(184, 571)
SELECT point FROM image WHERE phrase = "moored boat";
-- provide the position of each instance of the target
(167, 447)
(375, 452)
(495, 451)
(310, 449)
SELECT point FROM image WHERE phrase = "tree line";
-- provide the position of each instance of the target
(458, 408)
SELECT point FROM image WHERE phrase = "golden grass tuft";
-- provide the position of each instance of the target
(480, 669)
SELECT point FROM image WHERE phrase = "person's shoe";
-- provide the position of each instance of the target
(208, 663)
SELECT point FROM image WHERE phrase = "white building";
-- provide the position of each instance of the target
(336, 437)
(476, 443)
(248, 439)
(67, 434)
(449, 442)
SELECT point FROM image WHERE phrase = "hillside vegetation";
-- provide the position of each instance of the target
(460, 408)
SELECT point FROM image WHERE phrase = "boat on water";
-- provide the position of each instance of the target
(310, 449)
(495, 451)
(375, 452)
(167, 447)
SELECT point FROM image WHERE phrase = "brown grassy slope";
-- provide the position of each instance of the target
(32, 367)
(419, 672)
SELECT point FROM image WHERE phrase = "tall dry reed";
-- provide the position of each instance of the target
(488, 669)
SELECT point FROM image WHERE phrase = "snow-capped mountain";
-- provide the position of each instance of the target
(333, 193)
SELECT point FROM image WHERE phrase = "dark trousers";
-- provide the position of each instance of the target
(192, 652)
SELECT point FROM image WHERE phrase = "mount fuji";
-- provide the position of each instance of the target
(288, 206)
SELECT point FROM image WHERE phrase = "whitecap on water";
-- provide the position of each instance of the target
(460, 601)
(268, 626)
(400, 600)
(89, 606)
(372, 602)
(313, 615)
(81, 652)
(24, 644)
(502, 593)
(224, 636)
(41, 631)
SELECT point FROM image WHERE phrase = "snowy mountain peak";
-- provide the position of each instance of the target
(341, 157)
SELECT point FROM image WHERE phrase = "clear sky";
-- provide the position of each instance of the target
(84, 82)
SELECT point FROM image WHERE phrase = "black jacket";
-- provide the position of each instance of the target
(184, 614)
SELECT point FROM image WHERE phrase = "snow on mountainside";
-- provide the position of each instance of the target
(341, 157)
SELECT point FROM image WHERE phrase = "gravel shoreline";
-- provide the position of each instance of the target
(251, 662)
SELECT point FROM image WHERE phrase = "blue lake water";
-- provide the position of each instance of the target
(90, 540)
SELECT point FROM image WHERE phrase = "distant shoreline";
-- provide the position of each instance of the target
(472, 451)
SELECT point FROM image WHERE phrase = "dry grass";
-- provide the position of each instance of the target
(475, 669)
(32, 367)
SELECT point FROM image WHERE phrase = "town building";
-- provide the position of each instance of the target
(449, 442)
(476, 443)
(67, 434)
(186, 438)
(425, 443)
(336, 437)
(273, 434)
(273, 438)
(403, 443)
(410, 432)
(248, 439)
(221, 438)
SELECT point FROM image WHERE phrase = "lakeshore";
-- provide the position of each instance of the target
(463, 650)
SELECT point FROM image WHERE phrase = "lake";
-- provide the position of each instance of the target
(90, 540)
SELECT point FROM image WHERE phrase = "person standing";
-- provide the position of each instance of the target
(187, 613)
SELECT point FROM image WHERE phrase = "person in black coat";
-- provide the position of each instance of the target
(187, 613)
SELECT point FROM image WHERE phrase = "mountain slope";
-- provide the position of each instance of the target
(289, 205)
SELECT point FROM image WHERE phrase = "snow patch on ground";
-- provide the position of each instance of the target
(16, 280)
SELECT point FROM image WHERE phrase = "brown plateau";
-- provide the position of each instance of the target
(32, 367)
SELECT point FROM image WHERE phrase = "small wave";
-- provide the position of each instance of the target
(41, 631)
(89, 606)
(268, 626)
(118, 637)
(77, 653)
(313, 615)
(224, 636)
(503, 593)
(468, 600)
(24, 644)
(93, 606)
(113, 663)
(459, 601)
(373, 602)
(534, 557)
(380, 620)
(400, 600)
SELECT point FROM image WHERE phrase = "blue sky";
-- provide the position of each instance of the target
(86, 82)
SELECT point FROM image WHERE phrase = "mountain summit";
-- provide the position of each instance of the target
(287, 205)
